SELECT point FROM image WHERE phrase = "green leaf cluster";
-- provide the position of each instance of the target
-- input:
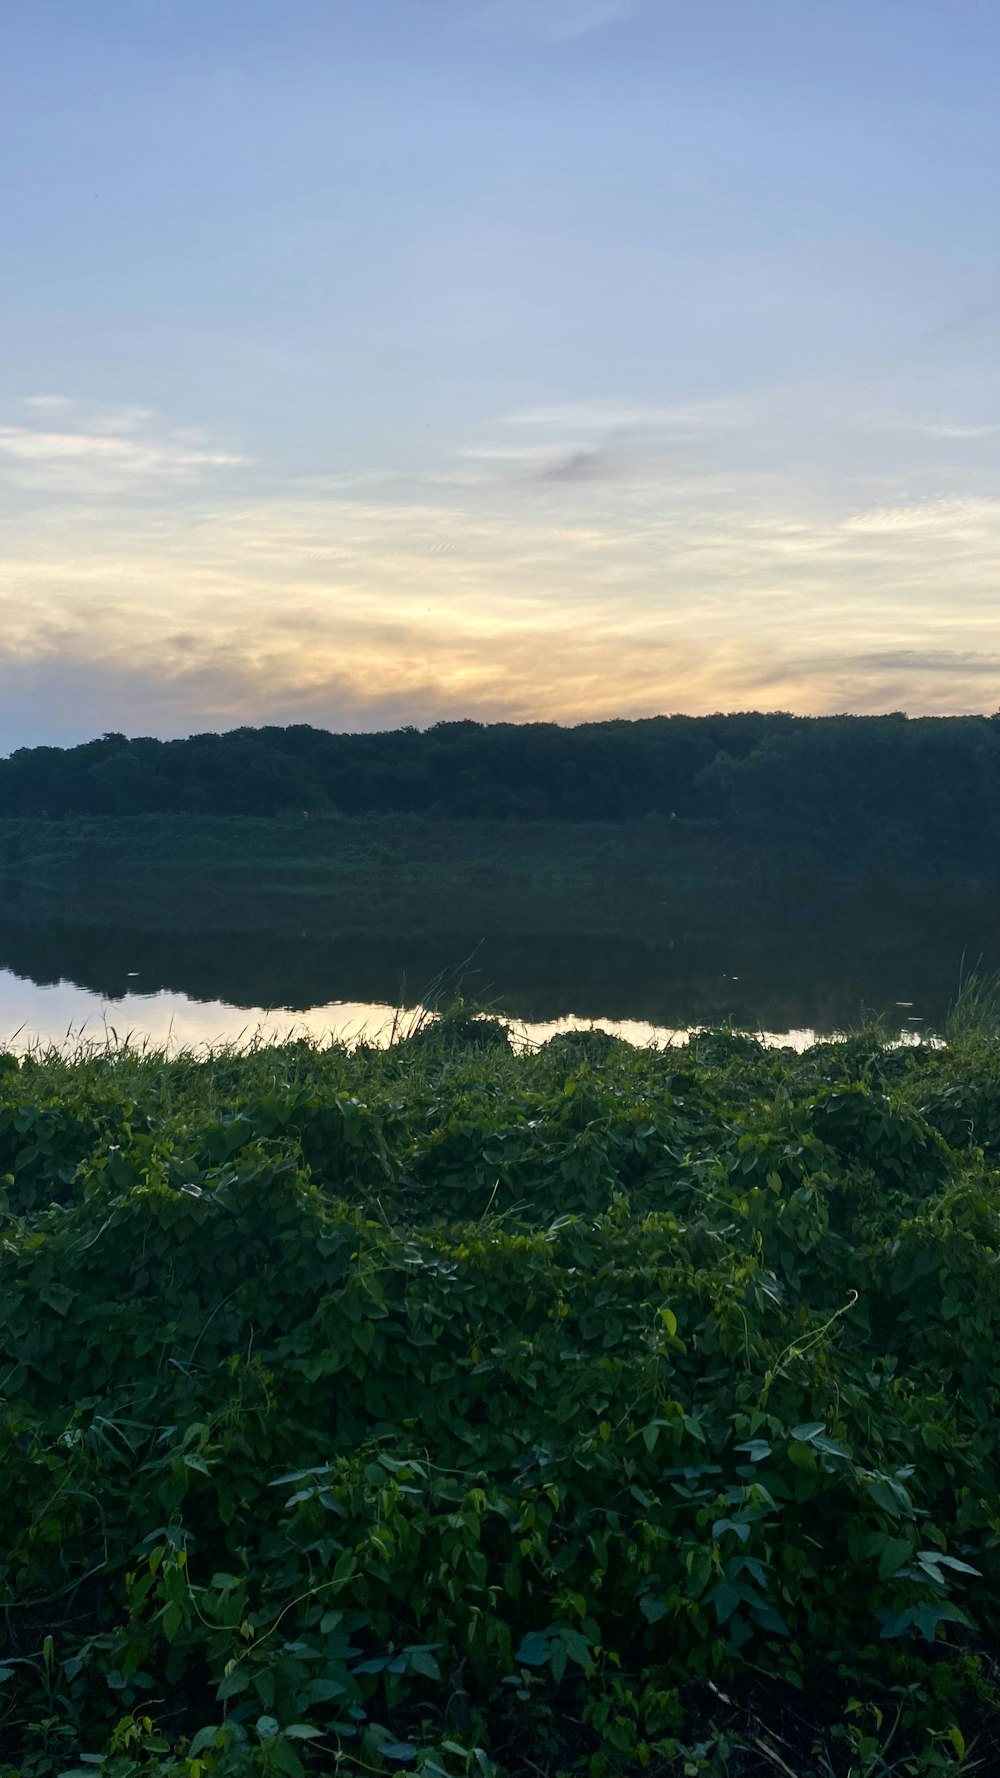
(456, 1410)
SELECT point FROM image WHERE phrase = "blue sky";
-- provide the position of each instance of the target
(370, 361)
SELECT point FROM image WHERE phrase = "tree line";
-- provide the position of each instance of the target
(927, 785)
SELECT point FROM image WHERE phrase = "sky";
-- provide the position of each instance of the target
(369, 362)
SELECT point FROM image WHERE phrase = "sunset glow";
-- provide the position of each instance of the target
(726, 439)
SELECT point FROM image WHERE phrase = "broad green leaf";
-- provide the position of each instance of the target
(829, 1446)
(737, 1526)
(769, 1619)
(284, 1756)
(952, 1562)
(233, 1683)
(725, 1598)
(533, 1650)
(421, 1660)
(205, 1738)
(894, 1553)
(808, 1431)
(756, 1448)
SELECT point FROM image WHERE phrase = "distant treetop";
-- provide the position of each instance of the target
(927, 785)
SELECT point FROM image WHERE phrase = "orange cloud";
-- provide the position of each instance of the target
(573, 596)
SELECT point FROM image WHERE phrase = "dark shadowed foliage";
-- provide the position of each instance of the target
(927, 788)
(461, 1412)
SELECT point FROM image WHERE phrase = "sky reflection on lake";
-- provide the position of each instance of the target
(33, 1014)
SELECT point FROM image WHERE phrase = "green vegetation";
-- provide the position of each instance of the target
(919, 792)
(463, 770)
(386, 874)
(458, 1411)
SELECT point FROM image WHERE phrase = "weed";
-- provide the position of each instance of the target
(452, 1409)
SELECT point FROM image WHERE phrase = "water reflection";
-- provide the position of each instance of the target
(817, 967)
(63, 1014)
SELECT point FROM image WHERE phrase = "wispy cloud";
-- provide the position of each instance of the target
(548, 21)
(590, 440)
(952, 519)
(560, 572)
(973, 321)
(948, 661)
(579, 466)
(107, 451)
(547, 462)
(946, 429)
(932, 682)
(605, 598)
(602, 416)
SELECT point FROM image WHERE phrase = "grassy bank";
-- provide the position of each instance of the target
(449, 1410)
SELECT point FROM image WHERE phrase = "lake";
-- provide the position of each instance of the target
(818, 973)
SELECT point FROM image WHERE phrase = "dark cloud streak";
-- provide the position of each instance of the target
(580, 466)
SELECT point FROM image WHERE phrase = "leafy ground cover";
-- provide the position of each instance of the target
(457, 1411)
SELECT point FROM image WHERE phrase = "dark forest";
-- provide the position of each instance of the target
(926, 787)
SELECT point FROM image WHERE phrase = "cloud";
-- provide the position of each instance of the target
(923, 682)
(938, 660)
(946, 429)
(974, 321)
(106, 451)
(579, 466)
(589, 440)
(607, 597)
(600, 416)
(531, 463)
(942, 429)
(540, 577)
(548, 21)
(952, 518)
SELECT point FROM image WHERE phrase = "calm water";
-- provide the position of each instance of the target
(64, 1014)
(899, 955)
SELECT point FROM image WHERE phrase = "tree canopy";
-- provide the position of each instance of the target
(890, 783)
